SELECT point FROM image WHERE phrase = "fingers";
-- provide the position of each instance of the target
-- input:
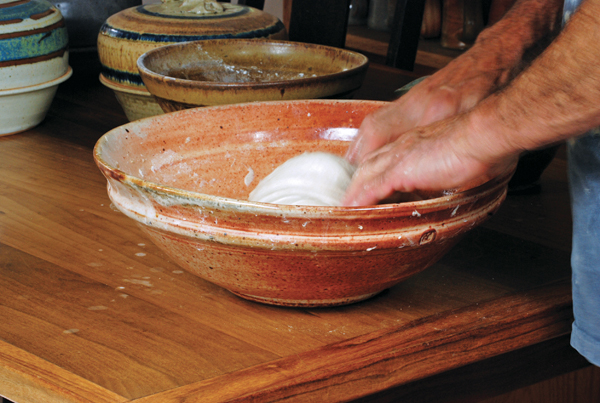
(426, 158)
(377, 129)
(381, 174)
(425, 163)
(421, 106)
(368, 189)
(394, 155)
(388, 122)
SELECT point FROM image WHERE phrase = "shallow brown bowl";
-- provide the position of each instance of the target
(230, 71)
(185, 178)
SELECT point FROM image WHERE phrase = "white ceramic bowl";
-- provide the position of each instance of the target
(26, 107)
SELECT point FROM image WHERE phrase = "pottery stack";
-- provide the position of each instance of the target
(126, 35)
(34, 60)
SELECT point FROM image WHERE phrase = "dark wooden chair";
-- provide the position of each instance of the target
(404, 37)
(326, 22)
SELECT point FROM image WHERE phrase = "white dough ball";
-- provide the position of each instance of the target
(309, 179)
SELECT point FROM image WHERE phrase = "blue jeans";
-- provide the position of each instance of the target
(584, 177)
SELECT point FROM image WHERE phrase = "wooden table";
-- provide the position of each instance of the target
(92, 311)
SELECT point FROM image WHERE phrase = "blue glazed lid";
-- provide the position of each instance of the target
(30, 31)
(128, 34)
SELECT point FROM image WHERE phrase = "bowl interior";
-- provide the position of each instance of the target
(249, 61)
(226, 151)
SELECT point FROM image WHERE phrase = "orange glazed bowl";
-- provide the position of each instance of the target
(185, 178)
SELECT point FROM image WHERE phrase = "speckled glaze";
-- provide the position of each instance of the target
(34, 59)
(185, 177)
(313, 71)
(128, 34)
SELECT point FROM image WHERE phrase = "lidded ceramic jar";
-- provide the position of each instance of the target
(126, 35)
(34, 59)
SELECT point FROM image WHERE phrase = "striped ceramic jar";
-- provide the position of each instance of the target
(33, 43)
(34, 59)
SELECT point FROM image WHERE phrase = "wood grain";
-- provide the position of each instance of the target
(31, 379)
(389, 358)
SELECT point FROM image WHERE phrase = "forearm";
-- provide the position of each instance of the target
(526, 26)
(499, 54)
(557, 97)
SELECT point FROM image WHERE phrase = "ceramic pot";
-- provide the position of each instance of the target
(462, 20)
(185, 177)
(230, 71)
(34, 59)
(130, 33)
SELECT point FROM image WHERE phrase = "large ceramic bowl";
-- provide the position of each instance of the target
(128, 34)
(220, 72)
(185, 177)
(34, 59)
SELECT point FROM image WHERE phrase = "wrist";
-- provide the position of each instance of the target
(490, 137)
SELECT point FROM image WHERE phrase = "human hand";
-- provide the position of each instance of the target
(452, 90)
(443, 155)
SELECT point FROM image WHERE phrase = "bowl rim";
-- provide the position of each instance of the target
(41, 86)
(223, 202)
(122, 87)
(145, 71)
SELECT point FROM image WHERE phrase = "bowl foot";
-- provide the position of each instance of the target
(307, 303)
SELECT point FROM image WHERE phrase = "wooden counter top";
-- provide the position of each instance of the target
(91, 311)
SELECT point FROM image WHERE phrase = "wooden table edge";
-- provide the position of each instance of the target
(388, 358)
(24, 377)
